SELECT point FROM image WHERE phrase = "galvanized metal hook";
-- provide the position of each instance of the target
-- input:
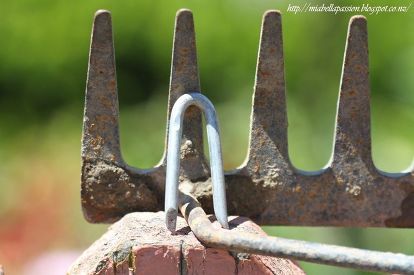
(173, 158)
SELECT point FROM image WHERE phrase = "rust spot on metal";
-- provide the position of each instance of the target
(406, 219)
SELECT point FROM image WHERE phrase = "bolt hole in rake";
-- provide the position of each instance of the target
(350, 191)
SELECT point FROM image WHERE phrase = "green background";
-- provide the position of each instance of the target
(43, 61)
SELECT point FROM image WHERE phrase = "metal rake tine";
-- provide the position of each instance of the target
(353, 136)
(100, 126)
(268, 130)
(185, 79)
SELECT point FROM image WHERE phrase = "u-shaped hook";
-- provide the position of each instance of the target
(173, 158)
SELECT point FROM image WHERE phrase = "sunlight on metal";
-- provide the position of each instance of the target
(173, 158)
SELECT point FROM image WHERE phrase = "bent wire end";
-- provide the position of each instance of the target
(171, 219)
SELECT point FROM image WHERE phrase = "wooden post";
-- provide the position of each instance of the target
(140, 244)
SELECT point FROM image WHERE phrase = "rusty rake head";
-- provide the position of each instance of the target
(350, 191)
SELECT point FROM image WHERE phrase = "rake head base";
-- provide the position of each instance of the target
(350, 191)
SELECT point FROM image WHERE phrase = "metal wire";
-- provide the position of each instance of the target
(202, 228)
(173, 158)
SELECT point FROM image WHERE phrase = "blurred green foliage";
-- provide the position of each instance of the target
(43, 61)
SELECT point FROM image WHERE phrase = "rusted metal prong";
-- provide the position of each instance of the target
(185, 79)
(211, 236)
(352, 149)
(100, 139)
(268, 142)
(173, 158)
